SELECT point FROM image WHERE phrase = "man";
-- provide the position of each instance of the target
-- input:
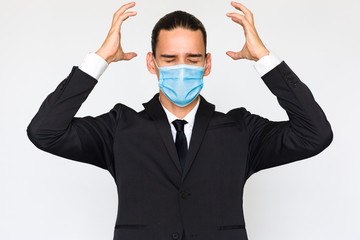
(179, 165)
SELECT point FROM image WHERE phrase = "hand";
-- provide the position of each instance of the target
(111, 49)
(253, 48)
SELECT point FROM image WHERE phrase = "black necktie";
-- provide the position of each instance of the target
(180, 141)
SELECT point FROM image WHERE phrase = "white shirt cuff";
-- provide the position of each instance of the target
(267, 63)
(94, 65)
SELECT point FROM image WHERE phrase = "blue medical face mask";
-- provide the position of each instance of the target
(181, 83)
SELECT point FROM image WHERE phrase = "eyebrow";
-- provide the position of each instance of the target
(167, 56)
(194, 55)
(188, 55)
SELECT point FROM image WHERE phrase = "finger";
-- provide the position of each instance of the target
(123, 17)
(129, 56)
(241, 7)
(234, 55)
(123, 8)
(236, 17)
(248, 14)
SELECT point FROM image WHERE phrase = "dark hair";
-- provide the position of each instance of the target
(174, 20)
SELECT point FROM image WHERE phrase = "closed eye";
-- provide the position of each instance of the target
(192, 61)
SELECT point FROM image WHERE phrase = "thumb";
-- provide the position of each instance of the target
(129, 56)
(234, 55)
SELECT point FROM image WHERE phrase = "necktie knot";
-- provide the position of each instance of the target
(179, 125)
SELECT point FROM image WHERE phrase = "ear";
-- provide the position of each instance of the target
(150, 63)
(208, 65)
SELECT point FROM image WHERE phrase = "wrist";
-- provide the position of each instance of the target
(94, 65)
(261, 54)
(104, 56)
(267, 63)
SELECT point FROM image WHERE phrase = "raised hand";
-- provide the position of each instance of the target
(253, 48)
(111, 49)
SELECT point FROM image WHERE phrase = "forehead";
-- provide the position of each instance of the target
(180, 41)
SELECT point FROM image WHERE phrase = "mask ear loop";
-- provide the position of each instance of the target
(155, 61)
(205, 62)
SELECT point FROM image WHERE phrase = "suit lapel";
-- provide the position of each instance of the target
(202, 119)
(157, 113)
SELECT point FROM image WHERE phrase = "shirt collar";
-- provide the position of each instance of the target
(190, 117)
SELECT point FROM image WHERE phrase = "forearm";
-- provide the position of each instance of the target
(305, 134)
(308, 121)
(54, 128)
(60, 107)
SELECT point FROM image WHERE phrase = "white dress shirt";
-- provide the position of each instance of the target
(190, 118)
(95, 66)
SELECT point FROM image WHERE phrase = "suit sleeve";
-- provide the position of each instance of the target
(54, 128)
(305, 134)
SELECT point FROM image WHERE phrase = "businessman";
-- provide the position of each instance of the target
(179, 165)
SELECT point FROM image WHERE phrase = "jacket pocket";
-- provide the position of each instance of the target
(226, 232)
(223, 125)
(132, 232)
(230, 227)
(130, 226)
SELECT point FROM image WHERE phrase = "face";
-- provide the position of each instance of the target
(179, 46)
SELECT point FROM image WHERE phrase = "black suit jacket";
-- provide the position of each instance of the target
(157, 201)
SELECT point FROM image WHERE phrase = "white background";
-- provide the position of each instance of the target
(47, 197)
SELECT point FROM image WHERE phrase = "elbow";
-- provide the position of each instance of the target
(324, 139)
(330, 137)
(41, 141)
(33, 136)
(327, 136)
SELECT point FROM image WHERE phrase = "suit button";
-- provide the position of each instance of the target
(175, 235)
(183, 194)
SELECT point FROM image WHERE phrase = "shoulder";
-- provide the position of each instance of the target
(120, 111)
(123, 112)
(232, 118)
(238, 114)
(246, 118)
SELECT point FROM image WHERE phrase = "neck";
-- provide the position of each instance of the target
(179, 112)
